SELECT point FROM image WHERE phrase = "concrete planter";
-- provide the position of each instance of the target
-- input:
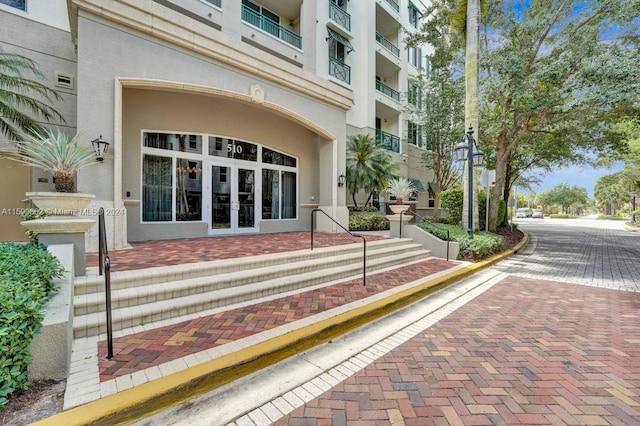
(60, 203)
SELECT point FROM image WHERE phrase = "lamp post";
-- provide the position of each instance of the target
(612, 195)
(468, 151)
(633, 206)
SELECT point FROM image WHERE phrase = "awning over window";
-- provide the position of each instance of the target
(433, 187)
(417, 184)
(337, 37)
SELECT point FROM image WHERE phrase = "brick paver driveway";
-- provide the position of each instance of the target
(537, 350)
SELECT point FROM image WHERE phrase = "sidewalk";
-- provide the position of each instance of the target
(159, 367)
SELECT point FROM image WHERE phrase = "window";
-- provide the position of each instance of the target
(415, 54)
(414, 15)
(416, 135)
(18, 4)
(188, 190)
(172, 176)
(414, 95)
(157, 178)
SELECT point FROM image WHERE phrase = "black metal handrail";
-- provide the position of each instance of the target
(105, 262)
(423, 219)
(364, 240)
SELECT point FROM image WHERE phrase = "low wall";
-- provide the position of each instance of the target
(51, 349)
(431, 242)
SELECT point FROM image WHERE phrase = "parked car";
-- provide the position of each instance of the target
(524, 212)
(537, 215)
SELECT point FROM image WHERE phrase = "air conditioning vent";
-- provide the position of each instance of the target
(64, 80)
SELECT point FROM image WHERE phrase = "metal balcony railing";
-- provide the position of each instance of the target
(339, 70)
(339, 16)
(393, 5)
(271, 27)
(383, 88)
(388, 141)
(387, 44)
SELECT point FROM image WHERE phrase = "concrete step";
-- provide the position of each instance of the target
(131, 296)
(168, 293)
(125, 279)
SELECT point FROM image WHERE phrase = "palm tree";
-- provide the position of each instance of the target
(369, 166)
(23, 101)
(467, 21)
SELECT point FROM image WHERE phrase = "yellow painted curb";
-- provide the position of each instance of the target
(142, 401)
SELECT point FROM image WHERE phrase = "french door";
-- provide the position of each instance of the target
(233, 199)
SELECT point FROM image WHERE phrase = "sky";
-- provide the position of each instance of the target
(584, 176)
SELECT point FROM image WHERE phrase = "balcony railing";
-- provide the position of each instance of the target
(339, 70)
(339, 16)
(383, 88)
(388, 141)
(387, 44)
(271, 27)
(393, 5)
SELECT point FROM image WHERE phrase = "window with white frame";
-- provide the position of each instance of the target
(172, 175)
(415, 54)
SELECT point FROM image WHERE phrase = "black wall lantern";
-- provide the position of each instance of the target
(341, 179)
(100, 147)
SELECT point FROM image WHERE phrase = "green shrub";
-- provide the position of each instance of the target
(368, 222)
(370, 209)
(451, 200)
(26, 272)
(32, 214)
(482, 244)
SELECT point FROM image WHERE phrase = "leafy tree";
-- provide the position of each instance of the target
(571, 198)
(369, 166)
(23, 100)
(555, 78)
(435, 100)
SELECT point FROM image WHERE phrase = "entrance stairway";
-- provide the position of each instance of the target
(150, 295)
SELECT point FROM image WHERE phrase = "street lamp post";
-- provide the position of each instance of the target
(468, 151)
(612, 195)
(633, 205)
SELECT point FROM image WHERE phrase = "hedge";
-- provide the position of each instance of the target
(368, 222)
(26, 273)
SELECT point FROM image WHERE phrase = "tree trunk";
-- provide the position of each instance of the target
(471, 100)
(501, 162)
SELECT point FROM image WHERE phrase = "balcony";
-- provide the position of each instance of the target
(386, 90)
(339, 16)
(388, 141)
(393, 5)
(339, 70)
(269, 26)
(387, 44)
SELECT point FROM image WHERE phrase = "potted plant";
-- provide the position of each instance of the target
(62, 156)
(400, 188)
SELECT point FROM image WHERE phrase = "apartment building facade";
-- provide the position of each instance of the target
(224, 116)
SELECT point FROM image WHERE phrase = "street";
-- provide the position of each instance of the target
(532, 340)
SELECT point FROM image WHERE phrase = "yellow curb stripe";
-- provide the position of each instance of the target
(144, 400)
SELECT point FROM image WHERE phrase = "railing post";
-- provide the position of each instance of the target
(103, 259)
(313, 225)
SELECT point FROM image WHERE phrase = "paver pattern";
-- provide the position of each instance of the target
(148, 254)
(527, 351)
(146, 349)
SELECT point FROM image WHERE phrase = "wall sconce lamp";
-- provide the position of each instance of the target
(100, 147)
(341, 180)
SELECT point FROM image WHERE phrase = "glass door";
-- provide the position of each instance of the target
(233, 200)
(220, 199)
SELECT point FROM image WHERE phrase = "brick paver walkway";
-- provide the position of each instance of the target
(147, 254)
(525, 352)
(143, 350)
